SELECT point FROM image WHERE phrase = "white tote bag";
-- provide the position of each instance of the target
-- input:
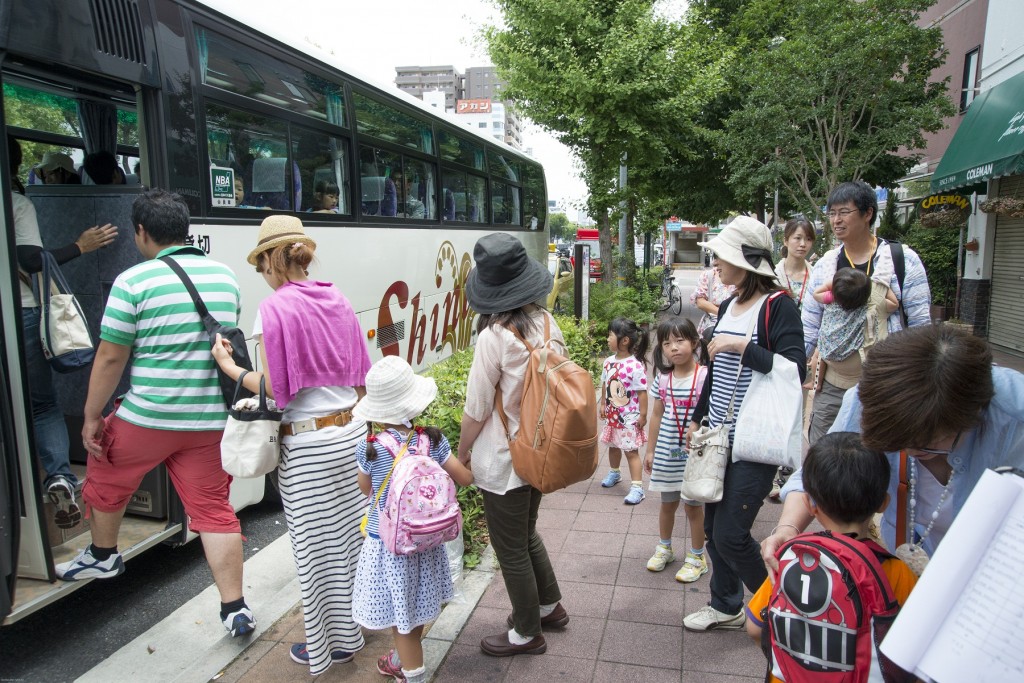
(704, 476)
(769, 424)
(63, 329)
(250, 446)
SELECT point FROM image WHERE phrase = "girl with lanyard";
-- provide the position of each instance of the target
(676, 388)
(794, 272)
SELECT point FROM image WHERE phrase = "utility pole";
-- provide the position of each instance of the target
(623, 221)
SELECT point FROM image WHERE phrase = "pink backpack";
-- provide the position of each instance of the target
(421, 511)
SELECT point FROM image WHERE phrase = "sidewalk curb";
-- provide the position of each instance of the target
(191, 645)
(449, 625)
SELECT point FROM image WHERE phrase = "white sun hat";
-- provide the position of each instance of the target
(745, 243)
(394, 393)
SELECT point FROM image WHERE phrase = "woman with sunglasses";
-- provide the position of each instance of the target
(931, 398)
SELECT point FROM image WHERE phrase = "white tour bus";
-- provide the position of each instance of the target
(189, 100)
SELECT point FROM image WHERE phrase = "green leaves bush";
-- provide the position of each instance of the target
(584, 348)
(937, 248)
(445, 413)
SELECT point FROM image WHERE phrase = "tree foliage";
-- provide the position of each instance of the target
(560, 226)
(611, 80)
(831, 90)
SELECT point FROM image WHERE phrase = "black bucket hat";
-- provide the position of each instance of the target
(505, 277)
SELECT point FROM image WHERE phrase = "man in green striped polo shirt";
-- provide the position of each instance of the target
(174, 412)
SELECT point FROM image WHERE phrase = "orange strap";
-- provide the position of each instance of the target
(902, 491)
(529, 349)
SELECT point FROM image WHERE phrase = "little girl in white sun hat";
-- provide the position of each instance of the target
(401, 592)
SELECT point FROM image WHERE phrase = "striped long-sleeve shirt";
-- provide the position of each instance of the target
(915, 296)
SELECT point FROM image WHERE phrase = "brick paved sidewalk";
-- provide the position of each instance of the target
(627, 622)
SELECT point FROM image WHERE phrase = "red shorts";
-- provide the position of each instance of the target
(192, 459)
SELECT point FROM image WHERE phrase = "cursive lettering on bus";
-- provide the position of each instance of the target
(450, 329)
(398, 290)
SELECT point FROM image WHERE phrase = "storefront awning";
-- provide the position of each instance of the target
(990, 140)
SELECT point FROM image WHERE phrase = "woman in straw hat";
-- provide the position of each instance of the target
(742, 257)
(503, 289)
(315, 362)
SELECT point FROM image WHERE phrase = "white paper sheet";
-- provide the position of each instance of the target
(965, 618)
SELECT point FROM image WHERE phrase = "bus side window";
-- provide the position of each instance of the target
(321, 161)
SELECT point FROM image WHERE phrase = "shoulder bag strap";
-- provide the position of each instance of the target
(498, 403)
(387, 477)
(899, 265)
(204, 313)
(739, 369)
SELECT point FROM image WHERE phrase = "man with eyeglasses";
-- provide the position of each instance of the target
(852, 208)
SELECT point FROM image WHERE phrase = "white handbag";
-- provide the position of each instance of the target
(63, 329)
(770, 422)
(704, 476)
(250, 445)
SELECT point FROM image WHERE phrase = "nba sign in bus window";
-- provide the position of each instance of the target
(222, 186)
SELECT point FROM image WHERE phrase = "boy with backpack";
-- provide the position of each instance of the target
(837, 591)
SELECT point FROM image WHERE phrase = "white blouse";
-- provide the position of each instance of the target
(500, 360)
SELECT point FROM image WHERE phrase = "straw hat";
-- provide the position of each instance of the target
(278, 230)
(505, 277)
(745, 243)
(394, 393)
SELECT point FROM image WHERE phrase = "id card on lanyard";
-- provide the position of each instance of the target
(678, 452)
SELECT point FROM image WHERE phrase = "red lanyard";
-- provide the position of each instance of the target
(681, 424)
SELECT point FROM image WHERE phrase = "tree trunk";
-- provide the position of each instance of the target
(759, 204)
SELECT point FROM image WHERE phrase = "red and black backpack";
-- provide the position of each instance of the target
(830, 608)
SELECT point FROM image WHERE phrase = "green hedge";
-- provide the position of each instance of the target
(445, 413)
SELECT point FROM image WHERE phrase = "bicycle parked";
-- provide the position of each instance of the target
(671, 295)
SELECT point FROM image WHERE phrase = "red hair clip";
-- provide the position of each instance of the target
(419, 430)
(371, 437)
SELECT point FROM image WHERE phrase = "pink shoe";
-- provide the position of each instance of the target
(389, 665)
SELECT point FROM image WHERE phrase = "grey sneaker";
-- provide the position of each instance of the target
(708, 618)
(61, 493)
(611, 479)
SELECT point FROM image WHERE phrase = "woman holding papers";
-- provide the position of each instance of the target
(931, 398)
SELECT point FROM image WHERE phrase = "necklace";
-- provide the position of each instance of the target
(874, 248)
(913, 554)
(789, 283)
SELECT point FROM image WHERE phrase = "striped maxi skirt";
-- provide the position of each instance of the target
(323, 507)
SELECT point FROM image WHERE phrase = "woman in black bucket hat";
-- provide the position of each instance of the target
(504, 289)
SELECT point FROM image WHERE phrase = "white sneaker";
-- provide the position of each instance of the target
(662, 556)
(708, 618)
(85, 566)
(694, 567)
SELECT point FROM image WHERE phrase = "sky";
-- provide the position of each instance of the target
(375, 37)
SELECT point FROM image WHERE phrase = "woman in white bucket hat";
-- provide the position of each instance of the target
(743, 258)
